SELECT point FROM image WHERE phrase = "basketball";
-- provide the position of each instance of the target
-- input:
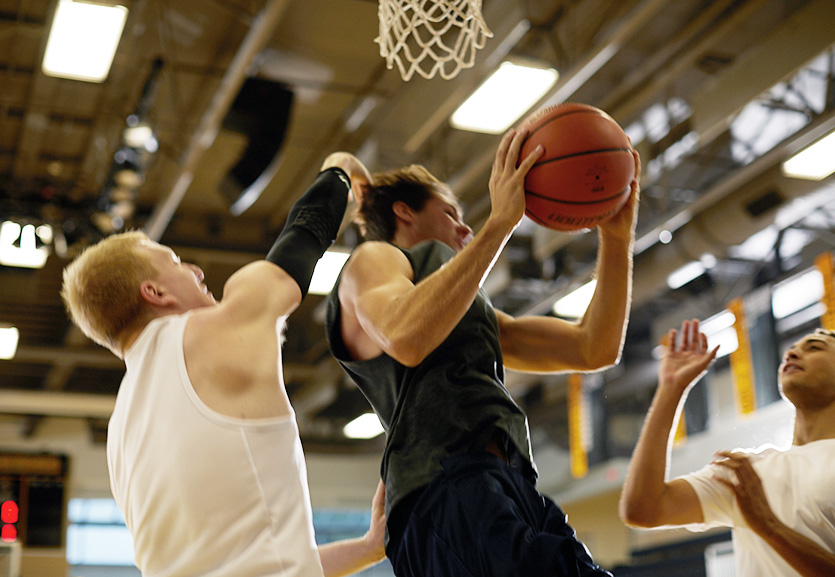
(583, 178)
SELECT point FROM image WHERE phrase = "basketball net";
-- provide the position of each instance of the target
(431, 36)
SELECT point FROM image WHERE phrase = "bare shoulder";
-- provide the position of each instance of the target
(375, 259)
(373, 250)
(260, 290)
(232, 363)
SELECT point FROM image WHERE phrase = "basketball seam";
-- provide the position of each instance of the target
(535, 218)
(576, 154)
(562, 115)
(595, 201)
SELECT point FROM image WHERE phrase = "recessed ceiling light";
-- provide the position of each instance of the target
(83, 40)
(815, 162)
(504, 97)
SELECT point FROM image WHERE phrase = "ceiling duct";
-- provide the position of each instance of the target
(727, 223)
(261, 113)
(259, 33)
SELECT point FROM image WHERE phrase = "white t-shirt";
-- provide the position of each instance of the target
(204, 494)
(799, 484)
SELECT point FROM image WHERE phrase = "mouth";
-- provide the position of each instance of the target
(791, 368)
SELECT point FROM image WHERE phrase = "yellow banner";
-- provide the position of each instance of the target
(824, 264)
(681, 429)
(742, 367)
(577, 426)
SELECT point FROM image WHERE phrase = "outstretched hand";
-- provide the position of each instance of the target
(686, 361)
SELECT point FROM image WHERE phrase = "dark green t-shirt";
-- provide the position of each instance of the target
(449, 404)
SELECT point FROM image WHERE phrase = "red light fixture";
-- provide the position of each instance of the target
(9, 512)
(8, 533)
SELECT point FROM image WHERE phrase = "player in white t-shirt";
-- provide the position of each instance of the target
(779, 503)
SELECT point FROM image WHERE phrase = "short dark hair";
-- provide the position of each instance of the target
(826, 332)
(413, 185)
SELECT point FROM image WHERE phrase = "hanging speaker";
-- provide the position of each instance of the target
(261, 113)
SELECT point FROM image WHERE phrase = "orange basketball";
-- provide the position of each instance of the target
(583, 178)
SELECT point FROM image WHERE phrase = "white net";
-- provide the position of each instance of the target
(431, 36)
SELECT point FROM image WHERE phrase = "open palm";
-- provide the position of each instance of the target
(687, 358)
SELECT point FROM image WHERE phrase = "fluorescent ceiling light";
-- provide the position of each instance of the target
(719, 330)
(815, 162)
(26, 253)
(717, 323)
(8, 342)
(366, 426)
(684, 274)
(574, 304)
(797, 293)
(326, 272)
(83, 40)
(510, 92)
(727, 341)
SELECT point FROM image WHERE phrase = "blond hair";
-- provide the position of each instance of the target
(101, 287)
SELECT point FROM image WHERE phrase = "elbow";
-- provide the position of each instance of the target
(604, 360)
(597, 358)
(638, 514)
(407, 351)
(636, 519)
(604, 352)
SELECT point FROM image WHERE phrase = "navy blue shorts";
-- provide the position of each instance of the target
(483, 518)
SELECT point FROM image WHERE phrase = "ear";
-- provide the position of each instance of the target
(154, 294)
(403, 211)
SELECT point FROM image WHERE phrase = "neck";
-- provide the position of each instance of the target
(129, 335)
(403, 240)
(127, 338)
(814, 425)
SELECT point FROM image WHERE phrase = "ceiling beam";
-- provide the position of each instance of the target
(56, 404)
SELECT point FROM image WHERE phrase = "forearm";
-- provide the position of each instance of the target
(348, 556)
(804, 555)
(311, 227)
(546, 344)
(646, 477)
(417, 320)
(603, 326)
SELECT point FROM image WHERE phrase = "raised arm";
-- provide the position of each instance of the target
(353, 555)
(233, 350)
(648, 499)
(547, 344)
(409, 321)
(265, 288)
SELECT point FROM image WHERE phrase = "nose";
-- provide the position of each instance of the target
(465, 232)
(792, 353)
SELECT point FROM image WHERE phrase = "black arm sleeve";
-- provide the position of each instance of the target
(311, 226)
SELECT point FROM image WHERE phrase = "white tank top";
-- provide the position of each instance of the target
(202, 493)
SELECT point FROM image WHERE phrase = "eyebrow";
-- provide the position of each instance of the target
(813, 339)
